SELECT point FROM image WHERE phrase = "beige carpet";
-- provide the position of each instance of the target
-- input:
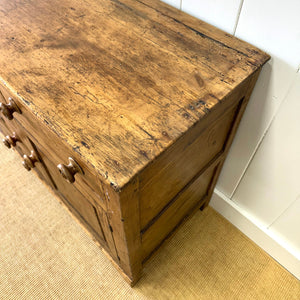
(45, 254)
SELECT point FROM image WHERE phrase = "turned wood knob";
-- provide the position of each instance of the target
(68, 172)
(29, 161)
(10, 140)
(9, 109)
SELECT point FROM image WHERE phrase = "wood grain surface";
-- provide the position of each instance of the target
(118, 81)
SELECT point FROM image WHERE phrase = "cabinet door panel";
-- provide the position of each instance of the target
(89, 213)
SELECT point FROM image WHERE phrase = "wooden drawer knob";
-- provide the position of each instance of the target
(8, 109)
(29, 161)
(10, 140)
(68, 172)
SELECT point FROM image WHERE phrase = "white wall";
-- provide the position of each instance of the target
(259, 187)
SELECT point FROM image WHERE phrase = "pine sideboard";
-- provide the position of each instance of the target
(126, 109)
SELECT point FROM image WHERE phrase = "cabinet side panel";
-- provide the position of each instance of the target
(198, 193)
(167, 175)
(184, 202)
(170, 174)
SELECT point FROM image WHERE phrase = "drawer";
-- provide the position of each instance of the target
(86, 182)
(15, 137)
(194, 194)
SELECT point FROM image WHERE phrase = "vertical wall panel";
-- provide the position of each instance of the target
(222, 14)
(273, 85)
(287, 227)
(272, 181)
(274, 26)
(175, 3)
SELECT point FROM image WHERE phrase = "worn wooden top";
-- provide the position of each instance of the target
(119, 81)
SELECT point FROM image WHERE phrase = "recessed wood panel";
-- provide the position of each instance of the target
(183, 203)
(170, 173)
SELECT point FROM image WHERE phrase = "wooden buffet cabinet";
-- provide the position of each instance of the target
(126, 109)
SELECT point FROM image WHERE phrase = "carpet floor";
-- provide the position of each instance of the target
(45, 254)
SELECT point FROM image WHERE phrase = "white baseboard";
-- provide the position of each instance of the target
(261, 236)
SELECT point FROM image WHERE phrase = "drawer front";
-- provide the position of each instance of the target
(181, 206)
(169, 174)
(87, 182)
(14, 136)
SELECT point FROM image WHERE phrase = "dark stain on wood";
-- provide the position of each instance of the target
(199, 80)
(144, 153)
(85, 145)
(76, 149)
(186, 115)
(191, 107)
(116, 163)
(165, 134)
(26, 101)
(199, 103)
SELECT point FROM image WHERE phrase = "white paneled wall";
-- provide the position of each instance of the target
(259, 187)
(272, 182)
(220, 13)
(286, 227)
(272, 86)
(272, 25)
(175, 3)
(278, 33)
